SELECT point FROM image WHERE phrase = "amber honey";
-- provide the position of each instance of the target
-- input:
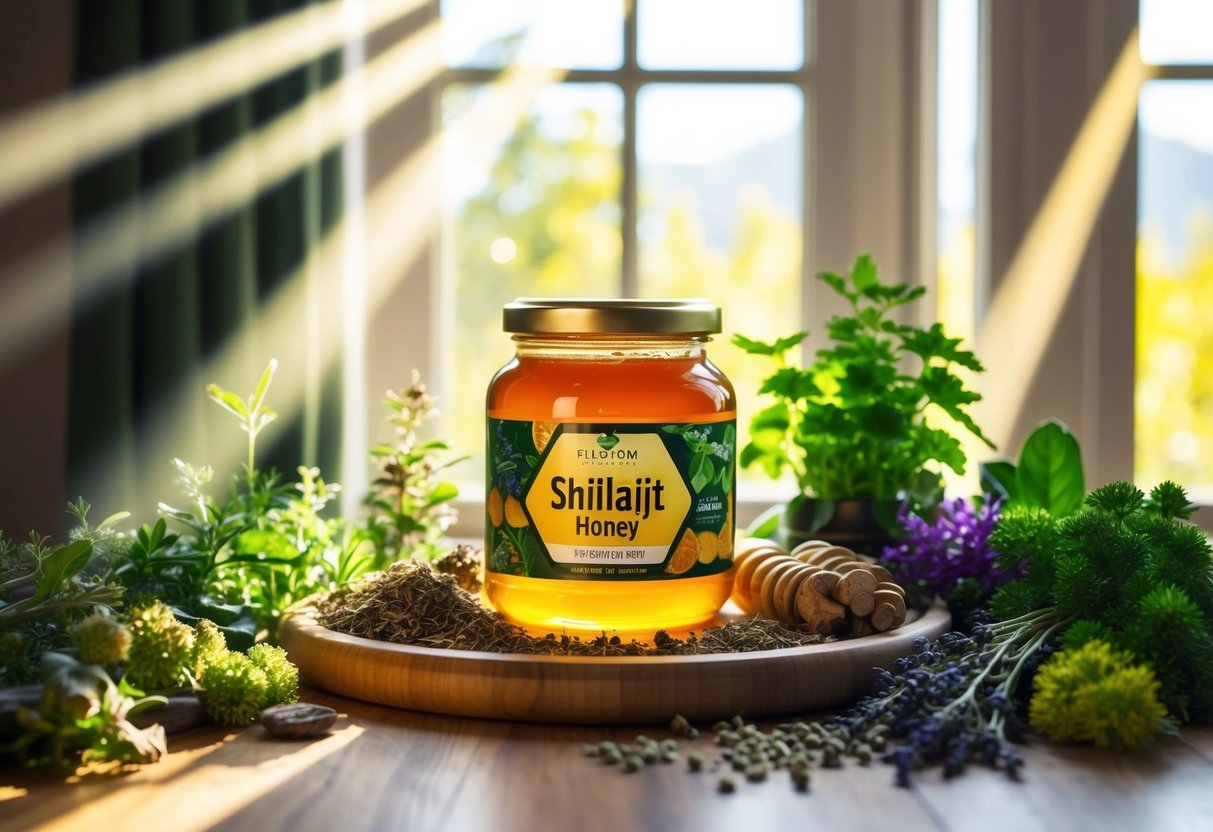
(610, 470)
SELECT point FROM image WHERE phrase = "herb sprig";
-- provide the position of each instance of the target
(855, 423)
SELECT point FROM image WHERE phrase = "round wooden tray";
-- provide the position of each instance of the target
(628, 689)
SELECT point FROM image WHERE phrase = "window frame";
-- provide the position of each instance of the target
(1171, 72)
(1087, 375)
(861, 83)
(630, 77)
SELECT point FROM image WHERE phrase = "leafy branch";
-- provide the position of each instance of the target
(855, 423)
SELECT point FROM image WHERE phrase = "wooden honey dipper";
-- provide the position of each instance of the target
(820, 586)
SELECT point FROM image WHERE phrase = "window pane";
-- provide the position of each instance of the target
(1177, 31)
(1174, 392)
(720, 210)
(721, 34)
(956, 160)
(568, 34)
(535, 213)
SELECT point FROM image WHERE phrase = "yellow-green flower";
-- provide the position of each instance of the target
(162, 648)
(1097, 694)
(282, 677)
(234, 689)
(101, 640)
(209, 645)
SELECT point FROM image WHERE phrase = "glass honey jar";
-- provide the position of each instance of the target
(610, 467)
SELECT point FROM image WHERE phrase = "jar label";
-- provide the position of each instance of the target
(610, 501)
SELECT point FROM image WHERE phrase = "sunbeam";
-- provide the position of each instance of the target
(44, 144)
(153, 225)
(1029, 300)
(405, 204)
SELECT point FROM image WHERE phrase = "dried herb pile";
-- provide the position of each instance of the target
(411, 604)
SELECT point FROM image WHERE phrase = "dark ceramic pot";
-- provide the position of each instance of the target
(859, 525)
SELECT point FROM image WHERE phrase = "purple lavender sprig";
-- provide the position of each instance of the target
(952, 546)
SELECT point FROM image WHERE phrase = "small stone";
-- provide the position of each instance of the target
(298, 720)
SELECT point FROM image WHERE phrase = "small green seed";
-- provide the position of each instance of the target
(694, 761)
(757, 773)
(727, 785)
(800, 780)
(589, 749)
(720, 726)
(632, 763)
(611, 756)
(738, 722)
(727, 738)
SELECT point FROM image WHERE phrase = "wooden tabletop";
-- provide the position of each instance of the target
(382, 768)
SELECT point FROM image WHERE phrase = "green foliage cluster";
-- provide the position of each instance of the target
(1129, 571)
(235, 564)
(855, 423)
(1049, 475)
(82, 716)
(410, 510)
(242, 559)
(44, 591)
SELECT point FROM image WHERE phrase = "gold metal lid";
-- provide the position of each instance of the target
(569, 316)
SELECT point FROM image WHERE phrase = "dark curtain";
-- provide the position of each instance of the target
(130, 351)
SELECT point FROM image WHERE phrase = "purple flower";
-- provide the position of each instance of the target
(952, 546)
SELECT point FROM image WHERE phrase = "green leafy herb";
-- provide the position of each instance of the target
(410, 510)
(253, 413)
(1131, 572)
(1049, 475)
(44, 591)
(856, 423)
(82, 717)
(242, 560)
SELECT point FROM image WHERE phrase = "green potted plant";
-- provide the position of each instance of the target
(859, 428)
